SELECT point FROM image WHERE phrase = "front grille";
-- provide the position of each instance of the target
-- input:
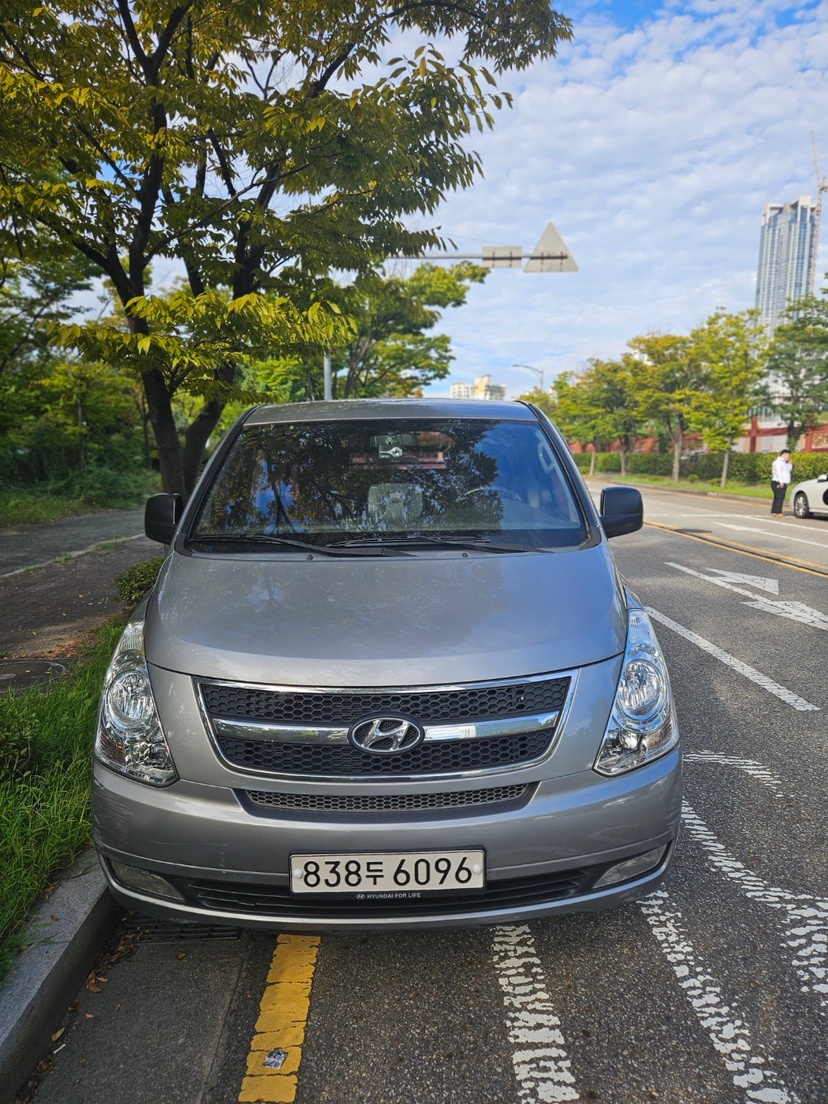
(342, 760)
(383, 803)
(449, 706)
(276, 902)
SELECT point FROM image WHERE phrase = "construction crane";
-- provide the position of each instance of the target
(822, 186)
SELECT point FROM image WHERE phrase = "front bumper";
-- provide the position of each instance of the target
(543, 855)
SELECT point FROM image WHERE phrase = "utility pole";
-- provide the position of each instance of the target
(822, 186)
(538, 372)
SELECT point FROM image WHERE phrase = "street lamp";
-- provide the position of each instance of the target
(538, 372)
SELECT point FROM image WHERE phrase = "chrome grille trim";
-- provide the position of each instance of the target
(299, 734)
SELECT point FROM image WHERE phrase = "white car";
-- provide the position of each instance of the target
(811, 497)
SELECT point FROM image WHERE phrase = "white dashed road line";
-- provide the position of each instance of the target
(749, 766)
(746, 1061)
(806, 918)
(541, 1064)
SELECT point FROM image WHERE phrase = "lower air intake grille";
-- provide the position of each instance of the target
(272, 901)
(382, 803)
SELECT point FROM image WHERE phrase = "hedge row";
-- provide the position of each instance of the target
(745, 467)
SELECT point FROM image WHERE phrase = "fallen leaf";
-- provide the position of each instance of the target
(90, 1015)
(55, 917)
(58, 1034)
(118, 1007)
(182, 954)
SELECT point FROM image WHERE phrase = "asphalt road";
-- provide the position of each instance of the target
(714, 990)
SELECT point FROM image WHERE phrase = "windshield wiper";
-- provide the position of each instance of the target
(288, 542)
(423, 540)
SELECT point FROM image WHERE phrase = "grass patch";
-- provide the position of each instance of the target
(700, 486)
(34, 505)
(46, 737)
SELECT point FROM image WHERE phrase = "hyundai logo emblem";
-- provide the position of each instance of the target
(386, 735)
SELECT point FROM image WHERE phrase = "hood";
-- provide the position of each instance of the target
(427, 619)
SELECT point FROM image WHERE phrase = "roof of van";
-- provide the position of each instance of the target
(349, 409)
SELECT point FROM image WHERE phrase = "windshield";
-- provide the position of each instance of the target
(331, 482)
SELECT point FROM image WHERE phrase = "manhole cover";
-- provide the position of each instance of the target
(20, 673)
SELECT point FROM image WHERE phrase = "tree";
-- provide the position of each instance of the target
(391, 353)
(240, 141)
(671, 380)
(573, 414)
(733, 349)
(798, 366)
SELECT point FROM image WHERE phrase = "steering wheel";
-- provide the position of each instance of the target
(504, 492)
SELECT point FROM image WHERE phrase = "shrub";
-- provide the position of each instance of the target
(134, 583)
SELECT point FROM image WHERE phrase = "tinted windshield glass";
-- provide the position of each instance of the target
(326, 482)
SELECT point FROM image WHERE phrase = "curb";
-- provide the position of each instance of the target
(677, 490)
(65, 936)
(69, 555)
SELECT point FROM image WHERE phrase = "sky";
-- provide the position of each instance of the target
(653, 142)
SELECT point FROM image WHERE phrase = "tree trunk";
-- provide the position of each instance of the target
(678, 443)
(195, 441)
(166, 432)
(623, 462)
(725, 466)
(592, 462)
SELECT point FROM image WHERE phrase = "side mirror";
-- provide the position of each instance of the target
(161, 517)
(822, 478)
(622, 510)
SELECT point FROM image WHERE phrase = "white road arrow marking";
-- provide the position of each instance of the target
(758, 581)
(793, 611)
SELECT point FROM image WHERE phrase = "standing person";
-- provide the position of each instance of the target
(780, 478)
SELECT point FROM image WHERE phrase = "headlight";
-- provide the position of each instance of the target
(642, 724)
(130, 739)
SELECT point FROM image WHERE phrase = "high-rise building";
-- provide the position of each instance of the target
(786, 253)
(482, 388)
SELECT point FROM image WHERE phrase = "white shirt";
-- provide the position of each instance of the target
(781, 470)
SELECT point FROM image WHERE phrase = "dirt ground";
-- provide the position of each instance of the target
(49, 611)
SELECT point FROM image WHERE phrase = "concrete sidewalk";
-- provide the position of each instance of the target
(43, 613)
(25, 546)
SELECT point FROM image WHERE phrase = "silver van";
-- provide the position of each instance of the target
(388, 676)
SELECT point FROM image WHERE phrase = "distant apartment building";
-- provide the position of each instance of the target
(786, 253)
(482, 388)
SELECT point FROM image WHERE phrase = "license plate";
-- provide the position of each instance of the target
(388, 873)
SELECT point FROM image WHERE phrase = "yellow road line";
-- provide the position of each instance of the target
(807, 566)
(276, 1049)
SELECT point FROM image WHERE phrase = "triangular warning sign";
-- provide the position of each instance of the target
(551, 254)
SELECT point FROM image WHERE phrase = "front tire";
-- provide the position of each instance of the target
(801, 506)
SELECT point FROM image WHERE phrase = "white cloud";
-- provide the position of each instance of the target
(653, 144)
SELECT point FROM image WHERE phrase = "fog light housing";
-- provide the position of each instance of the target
(145, 881)
(628, 869)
